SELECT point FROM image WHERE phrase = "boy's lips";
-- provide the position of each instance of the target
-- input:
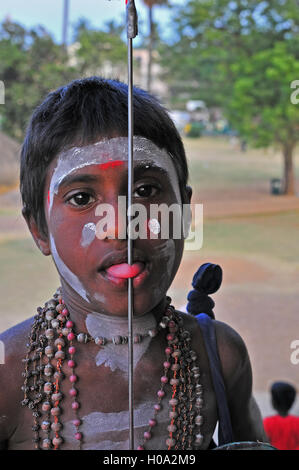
(114, 268)
(124, 270)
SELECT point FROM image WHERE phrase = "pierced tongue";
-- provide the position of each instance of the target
(125, 270)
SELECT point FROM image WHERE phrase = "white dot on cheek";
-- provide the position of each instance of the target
(88, 234)
(154, 226)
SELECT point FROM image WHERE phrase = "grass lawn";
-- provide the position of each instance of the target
(273, 236)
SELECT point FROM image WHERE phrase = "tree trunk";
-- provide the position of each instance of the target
(289, 173)
(150, 48)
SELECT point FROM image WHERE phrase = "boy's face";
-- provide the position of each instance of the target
(86, 196)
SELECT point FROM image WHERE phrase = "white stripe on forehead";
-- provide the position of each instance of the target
(109, 150)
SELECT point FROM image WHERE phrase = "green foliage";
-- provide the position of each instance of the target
(260, 106)
(240, 56)
(212, 35)
(100, 52)
(32, 64)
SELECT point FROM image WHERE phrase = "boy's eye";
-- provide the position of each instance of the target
(81, 199)
(146, 190)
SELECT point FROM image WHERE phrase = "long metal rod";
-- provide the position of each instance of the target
(65, 23)
(130, 241)
(132, 31)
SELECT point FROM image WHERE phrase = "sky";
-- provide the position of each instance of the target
(49, 13)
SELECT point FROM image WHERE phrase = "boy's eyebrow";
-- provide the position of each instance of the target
(80, 178)
(141, 167)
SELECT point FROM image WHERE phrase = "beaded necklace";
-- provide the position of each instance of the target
(52, 342)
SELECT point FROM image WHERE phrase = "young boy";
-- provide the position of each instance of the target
(72, 376)
(283, 428)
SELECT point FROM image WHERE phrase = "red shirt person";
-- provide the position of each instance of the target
(283, 429)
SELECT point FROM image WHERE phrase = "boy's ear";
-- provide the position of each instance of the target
(41, 240)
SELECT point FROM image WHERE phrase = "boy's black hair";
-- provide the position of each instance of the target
(81, 113)
(283, 396)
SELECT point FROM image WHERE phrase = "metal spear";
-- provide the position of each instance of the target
(132, 31)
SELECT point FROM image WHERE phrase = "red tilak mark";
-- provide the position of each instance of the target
(48, 198)
(105, 166)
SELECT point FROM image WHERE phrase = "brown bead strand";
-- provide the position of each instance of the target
(35, 412)
(182, 397)
(57, 396)
(30, 398)
(40, 383)
(158, 406)
(172, 427)
(48, 385)
(186, 392)
(74, 393)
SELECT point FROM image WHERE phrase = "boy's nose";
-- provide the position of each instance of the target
(113, 220)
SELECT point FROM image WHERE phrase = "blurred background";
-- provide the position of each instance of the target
(228, 72)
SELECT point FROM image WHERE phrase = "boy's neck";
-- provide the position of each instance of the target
(283, 414)
(79, 309)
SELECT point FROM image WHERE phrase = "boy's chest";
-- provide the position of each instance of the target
(102, 394)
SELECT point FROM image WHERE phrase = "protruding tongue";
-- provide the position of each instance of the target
(125, 270)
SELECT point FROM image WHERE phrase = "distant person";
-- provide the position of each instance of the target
(243, 145)
(283, 429)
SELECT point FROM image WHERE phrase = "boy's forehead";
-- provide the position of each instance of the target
(112, 152)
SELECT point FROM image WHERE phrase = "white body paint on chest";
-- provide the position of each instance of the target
(109, 431)
(116, 356)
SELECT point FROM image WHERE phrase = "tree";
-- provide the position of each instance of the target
(216, 47)
(100, 51)
(31, 64)
(261, 108)
(210, 35)
(150, 4)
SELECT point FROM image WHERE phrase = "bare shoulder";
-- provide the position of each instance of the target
(231, 348)
(230, 344)
(14, 341)
(232, 352)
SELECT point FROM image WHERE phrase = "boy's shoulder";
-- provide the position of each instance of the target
(13, 342)
(231, 346)
(227, 337)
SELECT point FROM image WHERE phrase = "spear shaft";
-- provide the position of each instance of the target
(132, 32)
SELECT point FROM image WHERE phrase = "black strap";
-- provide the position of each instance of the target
(225, 432)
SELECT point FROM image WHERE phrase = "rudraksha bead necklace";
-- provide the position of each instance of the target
(52, 342)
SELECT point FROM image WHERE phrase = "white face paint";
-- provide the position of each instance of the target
(154, 226)
(116, 356)
(109, 150)
(66, 273)
(165, 254)
(105, 151)
(88, 234)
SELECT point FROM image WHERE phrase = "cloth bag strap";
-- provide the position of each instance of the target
(207, 326)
